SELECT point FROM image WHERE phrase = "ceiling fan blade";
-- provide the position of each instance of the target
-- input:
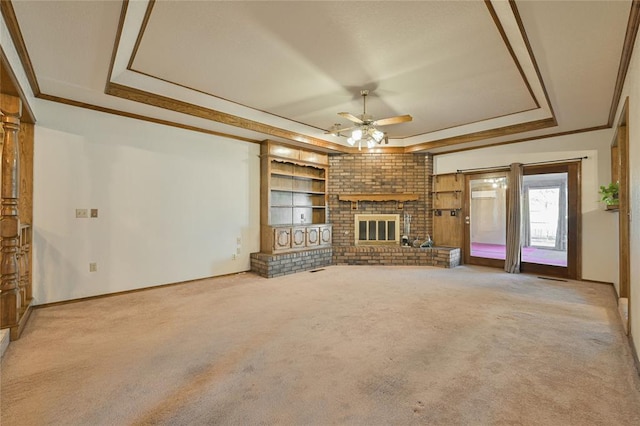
(340, 130)
(393, 120)
(350, 117)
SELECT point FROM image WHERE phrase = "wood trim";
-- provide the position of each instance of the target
(306, 124)
(6, 7)
(516, 14)
(135, 51)
(532, 138)
(624, 227)
(574, 202)
(141, 96)
(634, 353)
(507, 130)
(16, 36)
(24, 318)
(143, 118)
(116, 42)
(136, 290)
(625, 58)
(348, 149)
(378, 197)
(376, 150)
(634, 19)
(466, 209)
(598, 282)
(468, 123)
(13, 303)
(507, 43)
(9, 85)
(145, 22)
(485, 134)
(173, 83)
(578, 166)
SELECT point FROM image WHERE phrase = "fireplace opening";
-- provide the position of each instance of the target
(377, 229)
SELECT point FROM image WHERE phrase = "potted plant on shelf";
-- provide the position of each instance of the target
(610, 195)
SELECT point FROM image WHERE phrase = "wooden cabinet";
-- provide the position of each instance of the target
(326, 234)
(297, 193)
(279, 239)
(293, 198)
(448, 201)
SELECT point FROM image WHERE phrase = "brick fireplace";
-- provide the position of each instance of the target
(365, 173)
(354, 181)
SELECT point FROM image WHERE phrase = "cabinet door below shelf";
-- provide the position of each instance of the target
(325, 235)
(313, 237)
(281, 239)
(298, 237)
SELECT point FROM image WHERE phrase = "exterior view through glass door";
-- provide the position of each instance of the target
(486, 219)
(545, 219)
(550, 212)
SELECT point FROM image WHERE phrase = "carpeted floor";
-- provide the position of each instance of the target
(345, 345)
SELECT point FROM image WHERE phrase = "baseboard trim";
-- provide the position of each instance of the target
(4, 341)
(135, 290)
(634, 353)
(597, 282)
(17, 330)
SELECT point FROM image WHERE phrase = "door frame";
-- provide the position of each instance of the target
(574, 228)
(620, 172)
(468, 259)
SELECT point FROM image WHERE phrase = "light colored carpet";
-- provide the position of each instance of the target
(347, 345)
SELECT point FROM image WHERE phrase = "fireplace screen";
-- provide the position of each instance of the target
(377, 229)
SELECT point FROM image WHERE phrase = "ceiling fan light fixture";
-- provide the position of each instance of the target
(364, 127)
(377, 135)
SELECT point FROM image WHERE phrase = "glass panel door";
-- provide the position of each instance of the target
(545, 219)
(550, 219)
(550, 225)
(486, 219)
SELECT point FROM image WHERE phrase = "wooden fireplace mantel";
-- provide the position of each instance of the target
(400, 198)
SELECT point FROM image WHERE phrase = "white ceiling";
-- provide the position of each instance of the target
(293, 65)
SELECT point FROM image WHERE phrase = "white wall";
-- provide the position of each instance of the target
(599, 249)
(172, 203)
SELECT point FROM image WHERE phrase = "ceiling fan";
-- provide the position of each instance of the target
(365, 128)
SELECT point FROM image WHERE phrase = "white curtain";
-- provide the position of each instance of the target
(514, 220)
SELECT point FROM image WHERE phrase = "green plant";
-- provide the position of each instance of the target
(610, 193)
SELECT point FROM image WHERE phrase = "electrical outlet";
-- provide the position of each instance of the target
(82, 213)
(239, 241)
(238, 250)
(234, 256)
(94, 212)
(93, 267)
